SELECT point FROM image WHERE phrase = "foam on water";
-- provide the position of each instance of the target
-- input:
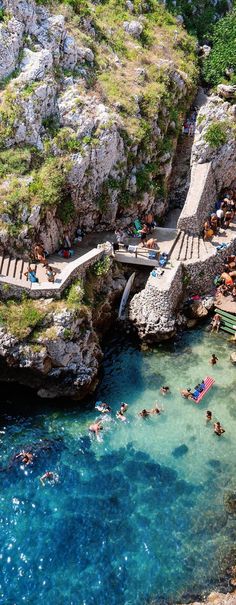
(137, 516)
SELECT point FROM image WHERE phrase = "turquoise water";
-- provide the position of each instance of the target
(133, 519)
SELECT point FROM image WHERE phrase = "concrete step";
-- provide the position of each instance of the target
(190, 247)
(183, 253)
(5, 265)
(178, 246)
(1, 263)
(24, 269)
(12, 267)
(195, 248)
(19, 267)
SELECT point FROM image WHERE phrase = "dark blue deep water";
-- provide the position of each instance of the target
(138, 517)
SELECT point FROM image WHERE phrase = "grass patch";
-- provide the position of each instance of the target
(216, 134)
(15, 160)
(21, 317)
(74, 295)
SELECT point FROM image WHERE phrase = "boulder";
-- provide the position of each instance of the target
(233, 357)
(198, 310)
(227, 91)
(134, 28)
(35, 65)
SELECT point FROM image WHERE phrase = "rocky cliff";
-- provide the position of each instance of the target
(53, 346)
(91, 102)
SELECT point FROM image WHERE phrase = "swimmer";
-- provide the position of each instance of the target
(123, 407)
(120, 415)
(104, 408)
(26, 457)
(164, 390)
(213, 359)
(96, 427)
(218, 429)
(208, 416)
(144, 413)
(49, 476)
(186, 394)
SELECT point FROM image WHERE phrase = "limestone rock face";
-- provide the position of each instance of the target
(217, 112)
(23, 10)
(56, 105)
(10, 44)
(63, 357)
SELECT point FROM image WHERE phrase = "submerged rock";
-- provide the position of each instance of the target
(180, 451)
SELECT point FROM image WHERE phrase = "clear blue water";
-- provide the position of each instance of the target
(132, 519)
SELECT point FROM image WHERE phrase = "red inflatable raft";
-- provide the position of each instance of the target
(208, 381)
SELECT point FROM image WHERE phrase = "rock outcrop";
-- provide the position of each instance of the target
(76, 93)
(61, 356)
(215, 139)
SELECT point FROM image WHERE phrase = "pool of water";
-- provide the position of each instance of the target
(137, 517)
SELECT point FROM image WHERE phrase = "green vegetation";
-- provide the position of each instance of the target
(199, 15)
(21, 318)
(216, 134)
(74, 295)
(67, 140)
(101, 267)
(16, 160)
(222, 58)
(48, 186)
(2, 14)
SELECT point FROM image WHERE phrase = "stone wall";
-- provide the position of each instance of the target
(153, 310)
(200, 199)
(199, 275)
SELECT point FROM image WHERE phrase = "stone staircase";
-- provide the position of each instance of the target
(13, 267)
(190, 247)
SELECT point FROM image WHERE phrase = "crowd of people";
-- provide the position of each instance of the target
(222, 217)
(105, 408)
(142, 229)
(226, 282)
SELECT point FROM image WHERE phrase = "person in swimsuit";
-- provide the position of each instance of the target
(49, 476)
(96, 427)
(218, 429)
(164, 390)
(213, 359)
(120, 415)
(186, 394)
(123, 407)
(208, 416)
(26, 457)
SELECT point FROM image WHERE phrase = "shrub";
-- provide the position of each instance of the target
(216, 134)
(199, 15)
(66, 210)
(101, 267)
(48, 186)
(75, 294)
(15, 160)
(223, 55)
(66, 140)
